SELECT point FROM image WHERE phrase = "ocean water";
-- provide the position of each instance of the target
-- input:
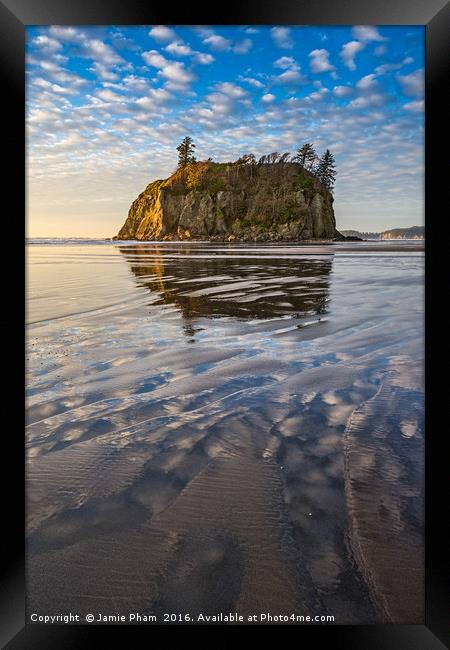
(215, 428)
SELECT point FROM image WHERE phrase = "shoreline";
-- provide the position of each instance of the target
(366, 245)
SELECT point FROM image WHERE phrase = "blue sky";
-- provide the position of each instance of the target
(107, 106)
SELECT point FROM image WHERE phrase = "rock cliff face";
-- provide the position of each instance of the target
(242, 202)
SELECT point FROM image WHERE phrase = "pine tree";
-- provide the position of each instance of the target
(186, 152)
(306, 156)
(326, 172)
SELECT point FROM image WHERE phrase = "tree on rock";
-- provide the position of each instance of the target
(306, 156)
(246, 159)
(186, 152)
(326, 172)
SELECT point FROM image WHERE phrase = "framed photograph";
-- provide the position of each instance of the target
(225, 308)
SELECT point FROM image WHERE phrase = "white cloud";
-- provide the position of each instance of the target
(153, 100)
(379, 50)
(348, 53)
(146, 103)
(282, 37)
(242, 47)
(413, 83)
(133, 83)
(67, 33)
(104, 58)
(367, 33)
(154, 58)
(49, 66)
(109, 96)
(267, 98)
(320, 61)
(291, 74)
(368, 82)
(162, 33)
(220, 104)
(177, 74)
(159, 94)
(55, 88)
(101, 52)
(39, 116)
(253, 82)
(416, 106)
(232, 90)
(61, 75)
(368, 101)
(104, 72)
(203, 30)
(48, 44)
(203, 58)
(318, 94)
(217, 43)
(292, 77)
(178, 48)
(285, 62)
(70, 140)
(389, 67)
(342, 91)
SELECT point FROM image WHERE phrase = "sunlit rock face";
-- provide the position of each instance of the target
(230, 201)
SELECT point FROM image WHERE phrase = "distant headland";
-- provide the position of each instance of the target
(413, 232)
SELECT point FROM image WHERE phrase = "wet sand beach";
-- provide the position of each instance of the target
(225, 428)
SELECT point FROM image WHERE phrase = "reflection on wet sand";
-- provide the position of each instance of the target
(384, 482)
(198, 286)
(232, 436)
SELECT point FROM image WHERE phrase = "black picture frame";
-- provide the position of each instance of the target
(15, 15)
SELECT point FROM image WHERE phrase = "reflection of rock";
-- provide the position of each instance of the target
(239, 287)
(229, 201)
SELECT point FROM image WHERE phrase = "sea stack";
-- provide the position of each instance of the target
(233, 202)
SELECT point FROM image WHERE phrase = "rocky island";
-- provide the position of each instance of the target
(270, 200)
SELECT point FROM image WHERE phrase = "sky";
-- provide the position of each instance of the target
(108, 105)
